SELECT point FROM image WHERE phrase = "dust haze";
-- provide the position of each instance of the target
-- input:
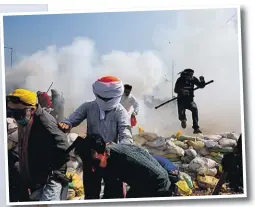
(205, 40)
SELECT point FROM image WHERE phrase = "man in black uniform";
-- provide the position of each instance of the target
(184, 87)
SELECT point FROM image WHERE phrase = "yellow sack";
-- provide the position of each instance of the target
(76, 180)
(70, 194)
(197, 145)
(183, 188)
(207, 181)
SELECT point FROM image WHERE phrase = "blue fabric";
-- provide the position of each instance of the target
(165, 163)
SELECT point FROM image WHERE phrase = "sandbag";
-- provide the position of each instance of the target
(207, 171)
(181, 144)
(183, 188)
(149, 136)
(229, 135)
(225, 142)
(197, 145)
(215, 137)
(210, 143)
(174, 159)
(207, 181)
(183, 137)
(190, 152)
(202, 162)
(204, 151)
(139, 140)
(159, 142)
(187, 178)
(222, 149)
(172, 148)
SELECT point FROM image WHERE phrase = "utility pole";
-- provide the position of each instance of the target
(10, 48)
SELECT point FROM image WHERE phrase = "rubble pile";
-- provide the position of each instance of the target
(197, 157)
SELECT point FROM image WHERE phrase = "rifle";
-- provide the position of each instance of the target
(177, 97)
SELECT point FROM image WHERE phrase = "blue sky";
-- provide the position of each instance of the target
(126, 31)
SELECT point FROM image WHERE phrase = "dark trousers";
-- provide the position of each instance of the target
(189, 105)
(92, 183)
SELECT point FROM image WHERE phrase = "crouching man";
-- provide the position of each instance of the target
(127, 163)
(41, 147)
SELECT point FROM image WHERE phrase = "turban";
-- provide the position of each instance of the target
(108, 91)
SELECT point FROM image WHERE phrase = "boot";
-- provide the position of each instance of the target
(183, 124)
(197, 131)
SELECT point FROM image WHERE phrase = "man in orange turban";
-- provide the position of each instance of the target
(107, 117)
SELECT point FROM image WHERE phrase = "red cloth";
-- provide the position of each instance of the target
(44, 100)
(133, 121)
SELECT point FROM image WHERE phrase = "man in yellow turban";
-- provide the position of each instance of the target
(42, 146)
(107, 117)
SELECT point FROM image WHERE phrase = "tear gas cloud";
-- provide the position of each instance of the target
(202, 40)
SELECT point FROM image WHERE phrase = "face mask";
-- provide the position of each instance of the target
(22, 116)
(108, 105)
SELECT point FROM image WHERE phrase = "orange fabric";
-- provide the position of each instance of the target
(108, 79)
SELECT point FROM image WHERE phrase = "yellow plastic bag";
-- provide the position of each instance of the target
(207, 181)
(76, 180)
(183, 188)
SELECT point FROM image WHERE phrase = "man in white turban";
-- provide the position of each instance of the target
(107, 117)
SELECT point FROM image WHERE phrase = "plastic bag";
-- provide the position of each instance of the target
(197, 145)
(225, 142)
(187, 178)
(183, 188)
(210, 143)
(204, 151)
(207, 181)
(230, 135)
(215, 137)
(183, 137)
(202, 162)
(172, 148)
(190, 153)
(181, 144)
(222, 149)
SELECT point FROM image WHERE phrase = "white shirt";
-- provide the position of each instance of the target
(128, 102)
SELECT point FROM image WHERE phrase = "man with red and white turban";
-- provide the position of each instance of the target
(105, 116)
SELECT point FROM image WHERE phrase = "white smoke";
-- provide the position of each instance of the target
(202, 41)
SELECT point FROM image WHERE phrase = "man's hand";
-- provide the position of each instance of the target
(133, 114)
(202, 79)
(64, 127)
